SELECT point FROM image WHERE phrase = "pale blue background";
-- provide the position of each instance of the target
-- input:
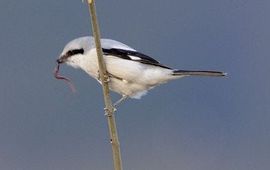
(189, 124)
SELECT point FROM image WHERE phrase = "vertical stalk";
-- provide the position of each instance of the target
(109, 109)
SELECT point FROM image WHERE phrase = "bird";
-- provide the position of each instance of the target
(131, 73)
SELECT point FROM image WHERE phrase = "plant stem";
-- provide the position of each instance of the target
(109, 109)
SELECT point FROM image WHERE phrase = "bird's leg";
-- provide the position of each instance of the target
(123, 98)
(106, 78)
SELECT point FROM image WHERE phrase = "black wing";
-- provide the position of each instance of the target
(132, 55)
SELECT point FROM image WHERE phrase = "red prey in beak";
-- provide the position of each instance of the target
(59, 77)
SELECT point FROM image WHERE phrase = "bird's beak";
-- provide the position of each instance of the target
(62, 59)
(59, 61)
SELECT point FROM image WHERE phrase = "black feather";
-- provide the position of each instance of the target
(197, 73)
(125, 54)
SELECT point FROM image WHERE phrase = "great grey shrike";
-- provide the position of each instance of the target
(131, 73)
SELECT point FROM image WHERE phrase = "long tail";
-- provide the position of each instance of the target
(197, 73)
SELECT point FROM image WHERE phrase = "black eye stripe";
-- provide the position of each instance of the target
(70, 53)
(75, 51)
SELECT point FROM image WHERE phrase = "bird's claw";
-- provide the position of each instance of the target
(108, 112)
(106, 78)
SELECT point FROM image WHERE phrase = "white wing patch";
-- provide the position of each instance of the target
(134, 57)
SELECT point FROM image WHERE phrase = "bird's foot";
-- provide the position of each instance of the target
(106, 77)
(109, 113)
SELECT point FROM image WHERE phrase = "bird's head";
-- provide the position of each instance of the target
(74, 53)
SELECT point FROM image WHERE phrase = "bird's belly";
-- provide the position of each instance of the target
(131, 89)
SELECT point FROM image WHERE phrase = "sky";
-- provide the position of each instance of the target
(194, 123)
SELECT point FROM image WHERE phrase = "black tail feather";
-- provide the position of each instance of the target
(197, 73)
